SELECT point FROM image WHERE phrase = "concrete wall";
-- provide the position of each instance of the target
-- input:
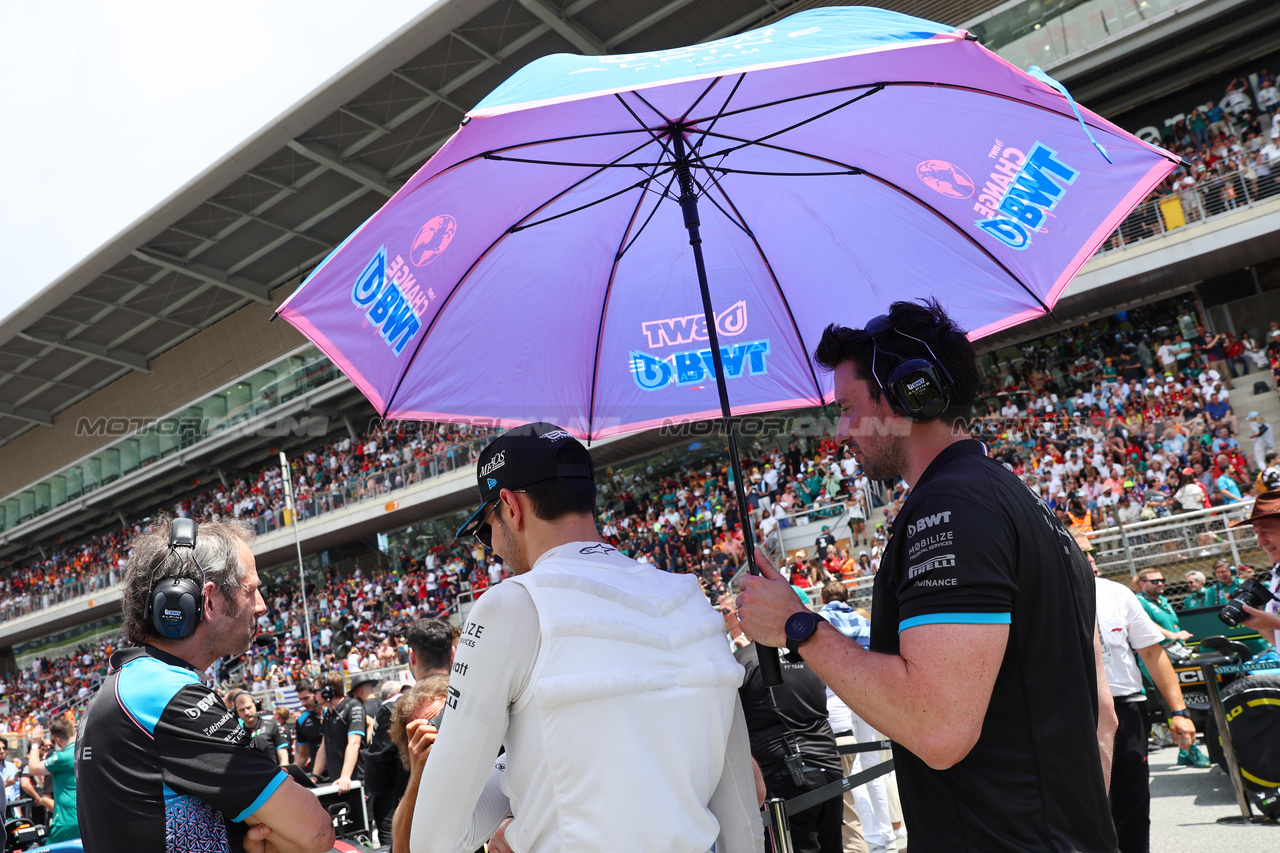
(232, 347)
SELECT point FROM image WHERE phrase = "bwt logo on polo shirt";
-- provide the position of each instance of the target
(928, 521)
(203, 705)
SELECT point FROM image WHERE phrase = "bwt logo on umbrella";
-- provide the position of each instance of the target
(1034, 191)
(385, 305)
(696, 366)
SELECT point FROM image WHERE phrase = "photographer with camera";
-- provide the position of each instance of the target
(1256, 605)
(55, 758)
(161, 764)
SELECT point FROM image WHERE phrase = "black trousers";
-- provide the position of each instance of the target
(1130, 780)
(817, 829)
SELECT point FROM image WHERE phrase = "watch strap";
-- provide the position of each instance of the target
(1182, 712)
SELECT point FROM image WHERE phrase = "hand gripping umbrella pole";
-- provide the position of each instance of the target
(770, 666)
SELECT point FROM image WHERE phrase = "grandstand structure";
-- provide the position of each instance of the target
(152, 369)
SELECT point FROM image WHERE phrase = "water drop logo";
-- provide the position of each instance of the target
(946, 178)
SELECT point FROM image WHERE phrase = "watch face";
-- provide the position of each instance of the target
(799, 626)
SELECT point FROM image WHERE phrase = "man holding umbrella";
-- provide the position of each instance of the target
(609, 683)
(983, 666)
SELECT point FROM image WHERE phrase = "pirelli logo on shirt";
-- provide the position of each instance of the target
(942, 561)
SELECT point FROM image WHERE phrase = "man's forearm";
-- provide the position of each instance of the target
(931, 699)
(1108, 722)
(350, 757)
(1161, 671)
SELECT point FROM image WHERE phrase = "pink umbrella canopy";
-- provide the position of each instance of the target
(538, 267)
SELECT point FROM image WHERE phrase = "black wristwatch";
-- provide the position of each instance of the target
(1183, 712)
(800, 627)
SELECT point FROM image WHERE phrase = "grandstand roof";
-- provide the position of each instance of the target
(272, 208)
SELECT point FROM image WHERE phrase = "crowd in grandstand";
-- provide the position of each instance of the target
(1231, 154)
(386, 456)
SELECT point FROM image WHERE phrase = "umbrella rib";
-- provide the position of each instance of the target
(637, 186)
(799, 124)
(705, 92)
(615, 165)
(604, 305)
(886, 182)
(705, 193)
(729, 171)
(908, 84)
(642, 99)
(649, 218)
(703, 137)
(777, 285)
(458, 286)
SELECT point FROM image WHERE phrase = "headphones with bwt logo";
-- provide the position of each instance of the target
(917, 388)
(175, 605)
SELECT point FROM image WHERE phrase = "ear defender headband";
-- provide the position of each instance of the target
(916, 388)
(175, 605)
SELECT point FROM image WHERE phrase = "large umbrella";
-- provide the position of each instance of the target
(613, 243)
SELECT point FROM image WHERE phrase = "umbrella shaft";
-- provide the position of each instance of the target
(770, 666)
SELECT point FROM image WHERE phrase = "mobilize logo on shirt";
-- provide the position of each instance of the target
(203, 705)
(927, 521)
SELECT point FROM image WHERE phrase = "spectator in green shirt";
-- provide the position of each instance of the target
(1151, 597)
(59, 764)
(1196, 595)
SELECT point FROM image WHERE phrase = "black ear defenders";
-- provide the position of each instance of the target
(256, 704)
(916, 388)
(326, 693)
(175, 605)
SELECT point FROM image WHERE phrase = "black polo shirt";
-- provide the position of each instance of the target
(347, 719)
(269, 737)
(161, 764)
(974, 545)
(798, 708)
(307, 730)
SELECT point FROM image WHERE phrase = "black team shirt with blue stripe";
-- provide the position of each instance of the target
(973, 545)
(162, 765)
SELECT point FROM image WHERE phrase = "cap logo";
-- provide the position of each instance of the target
(492, 482)
(555, 435)
(499, 459)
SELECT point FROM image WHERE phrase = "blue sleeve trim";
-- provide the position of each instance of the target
(956, 619)
(360, 732)
(146, 686)
(263, 797)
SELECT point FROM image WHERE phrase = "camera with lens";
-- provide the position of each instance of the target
(1252, 593)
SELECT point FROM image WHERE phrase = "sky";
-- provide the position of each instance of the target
(109, 106)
